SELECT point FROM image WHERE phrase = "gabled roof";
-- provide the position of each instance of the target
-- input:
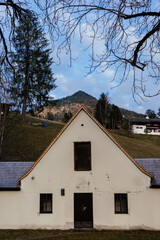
(144, 120)
(151, 165)
(11, 171)
(101, 127)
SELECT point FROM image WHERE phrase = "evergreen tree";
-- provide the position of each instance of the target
(108, 115)
(158, 113)
(151, 113)
(115, 117)
(103, 110)
(67, 117)
(33, 77)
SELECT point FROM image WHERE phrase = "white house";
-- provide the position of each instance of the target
(138, 129)
(149, 126)
(83, 179)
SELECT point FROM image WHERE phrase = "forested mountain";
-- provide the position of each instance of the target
(70, 104)
(78, 97)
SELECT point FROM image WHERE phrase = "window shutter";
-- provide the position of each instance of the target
(82, 156)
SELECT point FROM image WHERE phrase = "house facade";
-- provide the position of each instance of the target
(149, 126)
(84, 179)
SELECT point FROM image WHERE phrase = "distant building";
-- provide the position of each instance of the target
(146, 125)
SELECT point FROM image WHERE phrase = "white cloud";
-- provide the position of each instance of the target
(88, 37)
(95, 84)
(70, 80)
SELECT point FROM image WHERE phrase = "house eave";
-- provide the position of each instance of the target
(155, 186)
(10, 188)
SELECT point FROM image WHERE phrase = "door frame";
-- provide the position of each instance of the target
(83, 224)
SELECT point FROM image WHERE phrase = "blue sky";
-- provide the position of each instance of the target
(71, 79)
(75, 78)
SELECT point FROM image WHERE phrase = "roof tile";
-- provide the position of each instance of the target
(11, 171)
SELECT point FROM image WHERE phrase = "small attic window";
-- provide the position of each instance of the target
(82, 156)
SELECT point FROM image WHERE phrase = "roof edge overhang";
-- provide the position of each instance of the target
(10, 188)
(101, 127)
(155, 186)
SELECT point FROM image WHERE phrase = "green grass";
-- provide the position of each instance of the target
(72, 235)
(26, 142)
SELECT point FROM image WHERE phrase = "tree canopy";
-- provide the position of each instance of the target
(11, 13)
(33, 77)
(128, 30)
(158, 113)
(103, 110)
(151, 113)
(109, 115)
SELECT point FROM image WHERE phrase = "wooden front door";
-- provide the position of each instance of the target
(83, 210)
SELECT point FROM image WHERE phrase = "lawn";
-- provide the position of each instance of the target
(82, 235)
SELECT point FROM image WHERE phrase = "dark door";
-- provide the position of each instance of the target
(83, 210)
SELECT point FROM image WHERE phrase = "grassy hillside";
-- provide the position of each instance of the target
(138, 146)
(26, 142)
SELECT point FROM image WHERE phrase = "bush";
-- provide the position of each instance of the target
(50, 116)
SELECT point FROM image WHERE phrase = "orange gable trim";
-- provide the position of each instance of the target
(103, 129)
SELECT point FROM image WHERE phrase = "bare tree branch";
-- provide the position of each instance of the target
(128, 29)
(14, 12)
(141, 42)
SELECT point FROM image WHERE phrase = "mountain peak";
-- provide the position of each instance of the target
(78, 97)
(82, 94)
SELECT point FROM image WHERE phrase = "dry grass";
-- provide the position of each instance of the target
(26, 142)
(72, 235)
(137, 145)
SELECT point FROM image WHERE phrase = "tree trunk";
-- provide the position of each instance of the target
(26, 83)
(2, 132)
(0, 108)
(24, 108)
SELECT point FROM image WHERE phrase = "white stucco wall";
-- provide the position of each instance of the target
(141, 129)
(112, 172)
(138, 129)
(153, 132)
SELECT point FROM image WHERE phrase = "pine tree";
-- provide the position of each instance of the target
(107, 114)
(115, 117)
(158, 113)
(33, 77)
(67, 116)
(103, 110)
(151, 113)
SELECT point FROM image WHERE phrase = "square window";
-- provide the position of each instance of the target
(121, 203)
(45, 203)
(82, 156)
